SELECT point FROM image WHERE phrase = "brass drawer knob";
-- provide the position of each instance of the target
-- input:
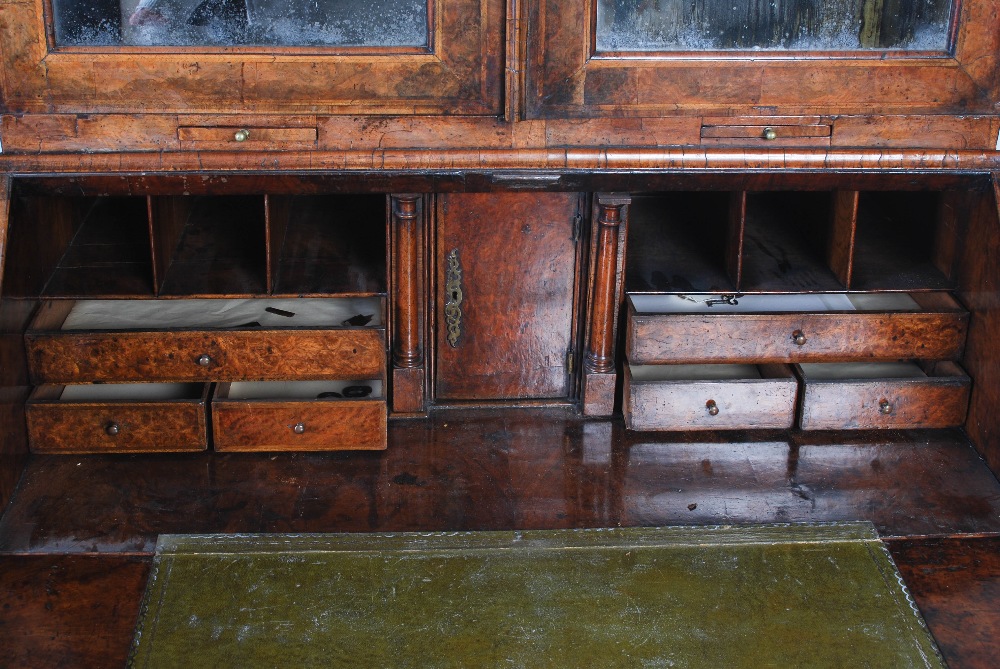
(799, 337)
(713, 408)
(885, 407)
(769, 134)
(299, 428)
(204, 360)
(112, 429)
(242, 135)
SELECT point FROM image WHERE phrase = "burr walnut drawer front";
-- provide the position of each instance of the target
(709, 397)
(883, 395)
(299, 416)
(118, 418)
(206, 340)
(823, 327)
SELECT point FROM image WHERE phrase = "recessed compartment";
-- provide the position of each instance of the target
(797, 327)
(850, 396)
(327, 244)
(682, 242)
(299, 416)
(709, 397)
(208, 246)
(205, 340)
(904, 241)
(785, 242)
(79, 247)
(118, 418)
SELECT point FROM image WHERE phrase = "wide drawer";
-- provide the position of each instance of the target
(118, 418)
(298, 416)
(883, 395)
(709, 397)
(257, 341)
(794, 328)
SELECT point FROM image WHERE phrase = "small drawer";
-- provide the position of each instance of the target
(709, 397)
(849, 396)
(816, 327)
(299, 416)
(247, 137)
(118, 418)
(206, 340)
(757, 131)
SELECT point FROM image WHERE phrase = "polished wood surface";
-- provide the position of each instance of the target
(69, 610)
(510, 469)
(282, 425)
(75, 522)
(956, 583)
(939, 400)
(517, 264)
(115, 427)
(233, 355)
(829, 337)
(409, 339)
(567, 77)
(459, 71)
(979, 276)
(768, 402)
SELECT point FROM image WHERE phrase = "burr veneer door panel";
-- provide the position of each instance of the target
(506, 293)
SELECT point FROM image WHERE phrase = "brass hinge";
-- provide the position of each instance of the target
(570, 357)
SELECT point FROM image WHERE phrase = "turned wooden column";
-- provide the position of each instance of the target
(607, 267)
(407, 301)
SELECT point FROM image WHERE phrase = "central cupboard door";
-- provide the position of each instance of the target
(506, 295)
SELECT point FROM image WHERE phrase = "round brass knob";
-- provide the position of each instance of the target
(713, 408)
(799, 337)
(204, 360)
(242, 135)
(299, 428)
(885, 407)
(112, 429)
(769, 134)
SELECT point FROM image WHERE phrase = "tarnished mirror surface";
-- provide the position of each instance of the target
(800, 25)
(337, 23)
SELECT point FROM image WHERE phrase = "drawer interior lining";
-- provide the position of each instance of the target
(221, 313)
(772, 303)
(102, 392)
(296, 390)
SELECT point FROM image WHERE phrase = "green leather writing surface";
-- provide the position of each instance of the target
(793, 596)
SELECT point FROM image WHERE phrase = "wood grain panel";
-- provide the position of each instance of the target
(82, 427)
(461, 71)
(979, 281)
(683, 338)
(768, 402)
(327, 425)
(61, 611)
(234, 355)
(518, 282)
(932, 402)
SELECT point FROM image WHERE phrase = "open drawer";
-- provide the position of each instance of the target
(709, 397)
(299, 416)
(843, 396)
(207, 340)
(118, 418)
(815, 327)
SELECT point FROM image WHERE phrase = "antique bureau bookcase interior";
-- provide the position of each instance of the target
(325, 245)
